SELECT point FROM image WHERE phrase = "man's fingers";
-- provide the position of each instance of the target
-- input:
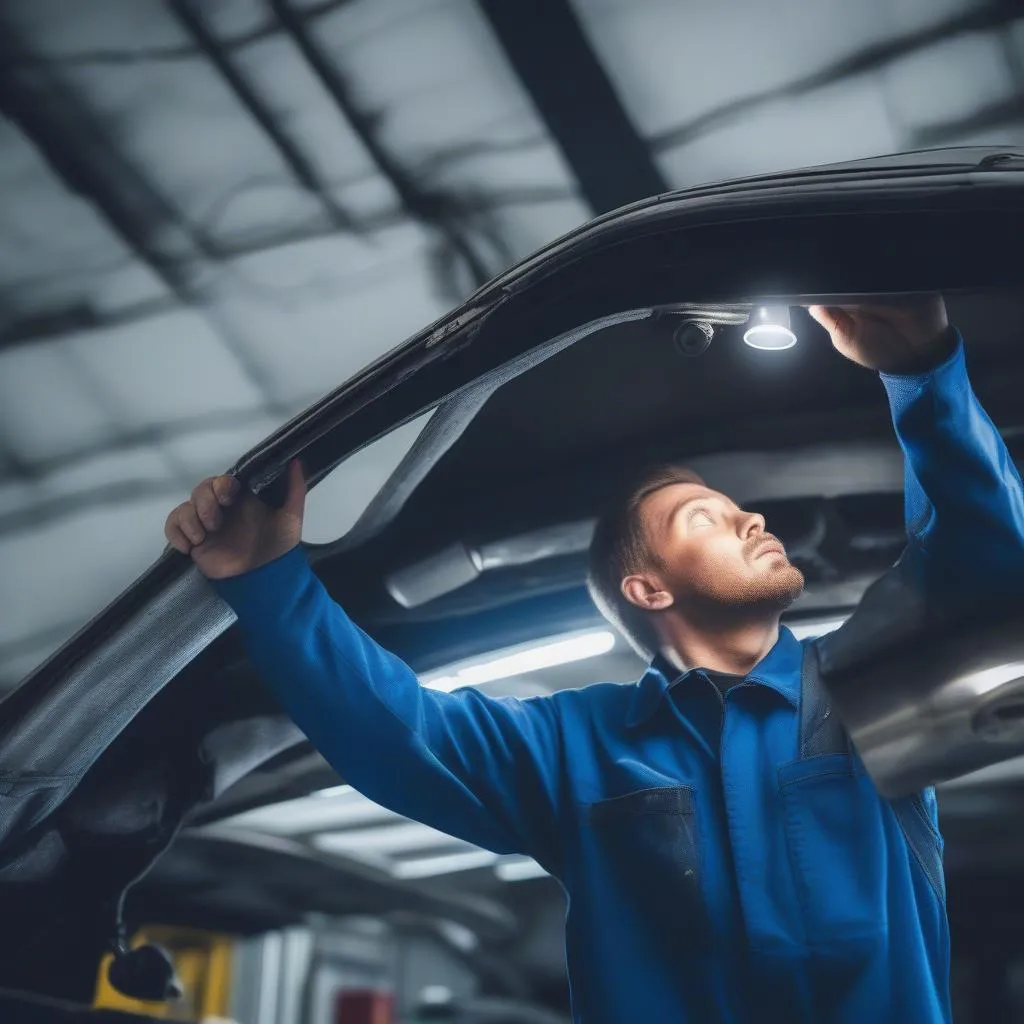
(823, 315)
(187, 520)
(834, 319)
(207, 505)
(295, 503)
(226, 488)
(174, 535)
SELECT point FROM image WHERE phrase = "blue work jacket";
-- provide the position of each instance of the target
(712, 875)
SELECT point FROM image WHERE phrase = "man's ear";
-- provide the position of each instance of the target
(646, 593)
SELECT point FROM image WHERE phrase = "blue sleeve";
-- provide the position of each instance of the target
(479, 768)
(964, 501)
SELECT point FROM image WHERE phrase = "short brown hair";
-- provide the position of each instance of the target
(620, 547)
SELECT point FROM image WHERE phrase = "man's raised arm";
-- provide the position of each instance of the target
(964, 501)
(482, 769)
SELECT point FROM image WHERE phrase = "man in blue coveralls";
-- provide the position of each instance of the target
(716, 870)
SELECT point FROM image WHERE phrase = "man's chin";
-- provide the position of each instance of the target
(780, 588)
(793, 587)
(768, 593)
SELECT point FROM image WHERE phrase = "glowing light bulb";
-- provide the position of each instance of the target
(770, 329)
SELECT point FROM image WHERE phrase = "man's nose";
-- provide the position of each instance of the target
(753, 523)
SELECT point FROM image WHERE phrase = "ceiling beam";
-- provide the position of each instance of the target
(78, 319)
(543, 40)
(74, 144)
(134, 56)
(190, 17)
(433, 209)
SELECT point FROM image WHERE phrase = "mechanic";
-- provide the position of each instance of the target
(716, 870)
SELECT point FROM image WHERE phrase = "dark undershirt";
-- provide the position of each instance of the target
(722, 680)
(702, 711)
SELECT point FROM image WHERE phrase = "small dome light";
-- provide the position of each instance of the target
(769, 329)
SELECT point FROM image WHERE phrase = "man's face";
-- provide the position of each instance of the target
(712, 555)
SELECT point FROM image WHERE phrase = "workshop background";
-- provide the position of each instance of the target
(214, 212)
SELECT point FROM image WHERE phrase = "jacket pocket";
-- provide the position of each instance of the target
(647, 844)
(836, 842)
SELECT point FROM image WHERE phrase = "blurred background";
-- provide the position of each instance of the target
(215, 211)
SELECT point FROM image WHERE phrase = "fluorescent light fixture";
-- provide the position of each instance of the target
(333, 791)
(1005, 771)
(339, 807)
(519, 870)
(436, 995)
(770, 329)
(443, 864)
(387, 839)
(806, 630)
(989, 679)
(459, 935)
(518, 661)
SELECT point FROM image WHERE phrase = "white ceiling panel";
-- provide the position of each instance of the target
(409, 59)
(45, 410)
(67, 571)
(199, 453)
(908, 16)
(519, 165)
(100, 479)
(100, 474)
(789, 133)
(17, 495)
(188, 133)
(950, 80)
(123, 285)
(309, 116)
(1004, 134)
(671, 63)
(142, 464)
(176, 369)
(70, 28)
(526, 226)
(236, 19)
(406, 61)
(57, 250)
(315, 313)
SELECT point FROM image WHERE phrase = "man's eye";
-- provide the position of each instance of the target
(701, 517)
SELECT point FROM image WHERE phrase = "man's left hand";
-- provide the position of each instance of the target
(906, 337)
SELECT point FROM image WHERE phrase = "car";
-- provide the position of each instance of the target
(148, 778)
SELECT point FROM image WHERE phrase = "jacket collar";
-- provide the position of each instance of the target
(778, 670)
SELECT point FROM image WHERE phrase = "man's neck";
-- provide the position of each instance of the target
(730, 648)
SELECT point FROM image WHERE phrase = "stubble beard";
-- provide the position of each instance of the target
(768, 593)
(776, 591)
(776, 587)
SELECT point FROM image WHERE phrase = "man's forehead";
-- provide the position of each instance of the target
(673, 494)
(658, 509)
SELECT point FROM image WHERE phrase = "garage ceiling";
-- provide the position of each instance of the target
(217, 210)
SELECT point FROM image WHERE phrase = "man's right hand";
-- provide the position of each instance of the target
(228, 531)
